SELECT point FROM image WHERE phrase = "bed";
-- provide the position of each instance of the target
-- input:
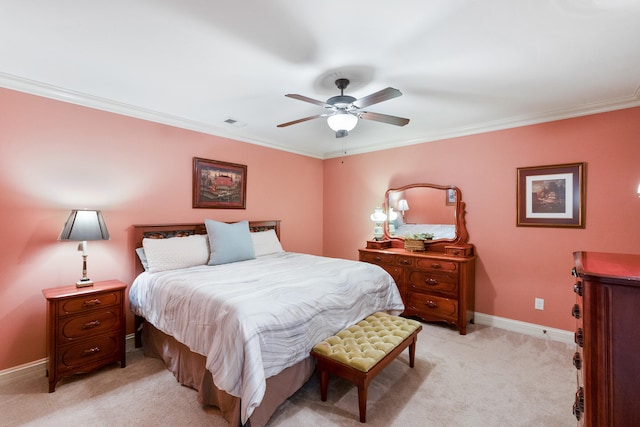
(240, 332)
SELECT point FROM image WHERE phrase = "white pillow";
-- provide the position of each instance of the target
(176, 252)
(266, 242)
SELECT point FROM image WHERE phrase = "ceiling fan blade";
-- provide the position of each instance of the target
(281, 125)
(392, 120)
(306, 99)
(380, 96)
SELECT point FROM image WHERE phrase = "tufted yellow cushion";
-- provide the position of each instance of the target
(363, 345)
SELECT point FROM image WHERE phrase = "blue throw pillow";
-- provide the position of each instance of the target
(229, 242)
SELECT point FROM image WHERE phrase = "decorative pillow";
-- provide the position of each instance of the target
(229, 242)
(266, 242)
(175, 252)
(143, 258)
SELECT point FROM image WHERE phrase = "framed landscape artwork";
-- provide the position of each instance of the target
(219, 185)
(551, 196)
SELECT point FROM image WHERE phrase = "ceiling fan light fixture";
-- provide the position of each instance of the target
(342, 121)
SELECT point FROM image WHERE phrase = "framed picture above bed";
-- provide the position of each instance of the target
(219, 185)
(551, 196)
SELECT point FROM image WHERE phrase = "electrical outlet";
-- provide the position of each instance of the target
(539, 304)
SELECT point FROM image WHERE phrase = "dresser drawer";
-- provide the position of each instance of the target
(428, 282)
(89, 352)
(404, 261)
(432, 307)
(437, 266)
(88, 302)
(89, 324)
(377, 258)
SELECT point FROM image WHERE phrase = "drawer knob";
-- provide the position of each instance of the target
(91, 303)
(575, 311)
(91, 325)
(435, 265)
(574, 272)
(431, 282)
(378, 258)
(578, 404)
(431, 304)
(405, 261)
(578, 337)
(91, 351)
(577, 362)
(456, 252)
(577, 288)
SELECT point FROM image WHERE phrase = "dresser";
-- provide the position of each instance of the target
(607, 357)
(85, 328)
(435, 286)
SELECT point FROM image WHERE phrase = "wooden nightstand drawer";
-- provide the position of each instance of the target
(90, 324)
(432, 307)
(85, 354)
(428, 282)
(89, 302)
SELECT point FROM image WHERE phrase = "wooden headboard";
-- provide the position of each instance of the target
(164, 231)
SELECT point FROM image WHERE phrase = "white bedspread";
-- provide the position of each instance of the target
(252, 319)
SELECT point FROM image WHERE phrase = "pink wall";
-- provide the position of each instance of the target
(515, 264)
(56, 156)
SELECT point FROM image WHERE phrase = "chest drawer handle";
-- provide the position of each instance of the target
(431, 304)
(91, 325)
(91, 351)
(575, 311)
(91, 303)
(405, 261)
(431, 282)
(577, 288)
(577, 362)
(578, 404)
(578, 337)
(435, 265)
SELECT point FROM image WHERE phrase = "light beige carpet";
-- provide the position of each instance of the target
(490, 377)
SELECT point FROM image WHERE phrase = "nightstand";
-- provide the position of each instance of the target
(85, 328)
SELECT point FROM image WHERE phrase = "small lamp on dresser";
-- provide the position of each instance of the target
(81, 226)
(378, 217)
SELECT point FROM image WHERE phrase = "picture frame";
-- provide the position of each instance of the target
(219, 185)
(551, 196)
(451, 197)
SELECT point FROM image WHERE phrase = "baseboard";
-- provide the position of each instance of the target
(532, 329)
(39, 367)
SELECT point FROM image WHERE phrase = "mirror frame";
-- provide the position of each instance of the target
(462, 235)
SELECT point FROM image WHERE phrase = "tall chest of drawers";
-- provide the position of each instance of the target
(85, 328)
(434, 286)
(607, 357)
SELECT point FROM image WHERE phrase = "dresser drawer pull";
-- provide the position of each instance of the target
(91, 303)
(91, 325)
(405, 261)
(435, 265)
(578, 337)
(456, 252)
(91, 351)
(575, 311)
(577, 288)
(577, 362)
(578, 404)
(574, 272)
(431, 282)
(431, 304)
(379, 259)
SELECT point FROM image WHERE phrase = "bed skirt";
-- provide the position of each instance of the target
(189, 369)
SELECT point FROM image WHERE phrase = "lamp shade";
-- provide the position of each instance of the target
(403, 205)
(83, 225)
(342, 121)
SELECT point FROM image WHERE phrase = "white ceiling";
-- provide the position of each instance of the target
(463, 66)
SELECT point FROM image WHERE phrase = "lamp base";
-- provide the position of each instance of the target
(83, 283)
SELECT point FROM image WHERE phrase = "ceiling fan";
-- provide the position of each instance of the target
(344, 110)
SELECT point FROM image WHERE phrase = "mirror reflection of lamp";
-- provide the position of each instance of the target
(378, 217)
(393, 215)
(403, 206)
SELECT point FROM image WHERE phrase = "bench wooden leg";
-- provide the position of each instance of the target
(362, 402)
(412, 352)
(324, 382)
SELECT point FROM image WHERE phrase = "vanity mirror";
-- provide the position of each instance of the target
(425, 208)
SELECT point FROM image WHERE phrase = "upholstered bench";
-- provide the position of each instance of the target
(361, 351)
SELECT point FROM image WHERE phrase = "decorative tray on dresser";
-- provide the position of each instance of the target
(607, 357)
(437, 283)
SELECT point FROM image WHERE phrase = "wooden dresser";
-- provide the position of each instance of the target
(85, 328)
(607, 336)
(435, 286)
